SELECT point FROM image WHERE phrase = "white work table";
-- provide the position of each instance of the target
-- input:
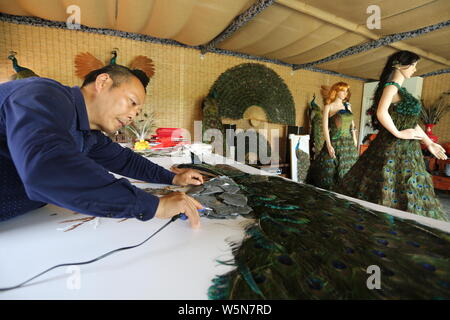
(178, 263)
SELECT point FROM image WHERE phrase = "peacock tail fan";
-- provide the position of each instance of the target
(145, 64)
(306, 243)
(85, 63)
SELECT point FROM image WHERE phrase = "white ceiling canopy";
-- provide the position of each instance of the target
(320, 34)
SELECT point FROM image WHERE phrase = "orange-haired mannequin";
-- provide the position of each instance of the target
(339, 152)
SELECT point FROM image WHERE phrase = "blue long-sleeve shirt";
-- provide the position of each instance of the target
(48, 154)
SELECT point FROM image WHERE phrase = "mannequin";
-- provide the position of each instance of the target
(392, 172)
(339, 152)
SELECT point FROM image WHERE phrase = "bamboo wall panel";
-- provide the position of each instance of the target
(433, 87)
(181, 81)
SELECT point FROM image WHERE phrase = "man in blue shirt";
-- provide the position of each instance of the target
(52, 149)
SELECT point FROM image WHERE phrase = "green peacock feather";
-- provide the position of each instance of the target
(306, 243)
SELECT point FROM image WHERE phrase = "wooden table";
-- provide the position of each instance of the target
(179, 263)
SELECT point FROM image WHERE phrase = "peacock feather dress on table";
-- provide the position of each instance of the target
(306, 243)
(392, 172)
(326, 172)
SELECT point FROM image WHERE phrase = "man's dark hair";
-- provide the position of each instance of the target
(118, 74)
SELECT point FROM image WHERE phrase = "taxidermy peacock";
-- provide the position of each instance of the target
(86, 62)
(315, 118)
(306, 243)
(21, 72)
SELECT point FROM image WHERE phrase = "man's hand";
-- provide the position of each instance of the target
(177, 170)
(187, 177)
(178, 202)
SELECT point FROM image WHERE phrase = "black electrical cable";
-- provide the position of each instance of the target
(96, 259)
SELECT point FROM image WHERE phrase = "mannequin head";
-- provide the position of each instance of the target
(339, 90)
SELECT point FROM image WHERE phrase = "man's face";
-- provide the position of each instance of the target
(118, 106)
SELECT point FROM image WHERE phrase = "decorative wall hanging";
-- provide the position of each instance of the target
(253, 84)
(21, 72)
(86, 62)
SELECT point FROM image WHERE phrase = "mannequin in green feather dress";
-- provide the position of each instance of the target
(339, 151)
(392, 170)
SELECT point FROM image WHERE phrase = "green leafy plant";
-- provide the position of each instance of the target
(432, 114)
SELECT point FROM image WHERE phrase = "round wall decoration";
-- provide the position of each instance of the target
(253, 84)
